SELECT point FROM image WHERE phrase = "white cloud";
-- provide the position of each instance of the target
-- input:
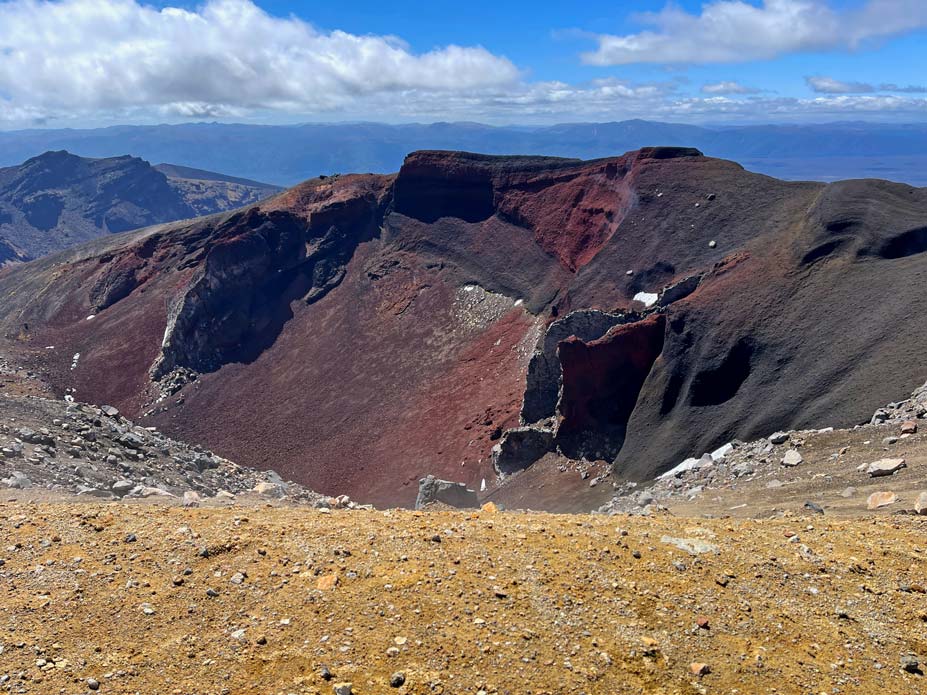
(88, 55)
(733, 31)
(828, 85)
(728, 88)
(87, 62)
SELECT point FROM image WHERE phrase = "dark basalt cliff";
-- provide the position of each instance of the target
(472, 313)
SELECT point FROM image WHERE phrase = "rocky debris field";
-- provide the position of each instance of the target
(114, 598)
(92, 451)
(876, 466)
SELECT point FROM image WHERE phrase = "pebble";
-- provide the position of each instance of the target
(397, 680)
(212, 593)
(93, 684)
(699, 669)
(344, 688)
(910, 663)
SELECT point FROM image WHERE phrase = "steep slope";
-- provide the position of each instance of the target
(356, 333)
(57, 200)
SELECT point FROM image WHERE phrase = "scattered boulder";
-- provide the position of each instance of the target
(266, 488)
(920, 506)
(431, 489)
(121, 488)
(779, 438)
(791, 458)
(881, 499)
(909, 427)
(884, 467)
(17, 480)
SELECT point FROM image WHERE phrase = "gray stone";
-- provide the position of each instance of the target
(122, 487)
(693, 546)
(431, 489)
(791, 458)
(779, 438)
(910, 663)
(884, 467)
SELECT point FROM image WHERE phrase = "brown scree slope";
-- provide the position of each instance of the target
(357, 332)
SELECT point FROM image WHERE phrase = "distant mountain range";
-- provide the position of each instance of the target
(58, 199)
(285, 155)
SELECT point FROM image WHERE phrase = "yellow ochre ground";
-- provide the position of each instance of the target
(153, 599)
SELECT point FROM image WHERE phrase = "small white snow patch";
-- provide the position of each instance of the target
(469, 288)
(483, 485)
(687, 465)
(646, 298)
(519, 302)
(74, 361)
(91, 317)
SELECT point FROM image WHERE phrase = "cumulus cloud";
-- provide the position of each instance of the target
(81, 62)
(728, 88)
(829, 85)
(733, 31)
(64, 56)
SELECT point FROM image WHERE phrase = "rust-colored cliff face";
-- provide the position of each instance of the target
(358, 332)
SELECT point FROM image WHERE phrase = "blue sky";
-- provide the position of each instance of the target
(89, 62)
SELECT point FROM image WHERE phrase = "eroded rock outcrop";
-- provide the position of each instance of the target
(519, 447)
(602, 379)
(260, 262)
(431, 489)
(542, 386)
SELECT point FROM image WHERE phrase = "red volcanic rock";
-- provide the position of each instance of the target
(361, 332)
(601, 383)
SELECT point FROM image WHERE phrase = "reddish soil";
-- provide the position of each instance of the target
(382, 327)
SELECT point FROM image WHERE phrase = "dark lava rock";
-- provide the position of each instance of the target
(520, 447)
